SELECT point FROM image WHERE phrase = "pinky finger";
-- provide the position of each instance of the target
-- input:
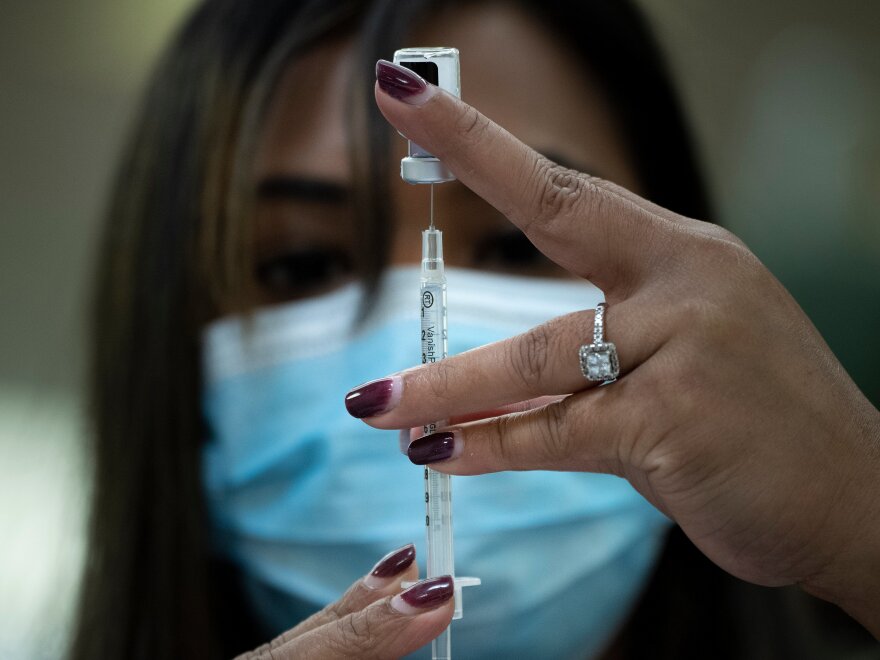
(521, 406)
(580, 432)
(407, 436)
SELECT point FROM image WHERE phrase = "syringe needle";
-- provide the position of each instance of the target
(432, 207)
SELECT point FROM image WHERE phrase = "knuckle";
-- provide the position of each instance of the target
(720, 249)
(361, 628)
(703, 317)
(443, 372)
(549, 433)
(681, 380)
(633, 443)
(496, 441)
(471, 126)
(353, 635)
(528, 357)
(722, 236)
(335, 611)
(557, 190)
(694, 311)
(435, 378)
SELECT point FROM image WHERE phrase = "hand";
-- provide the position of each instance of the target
(374, 619)
(731, 414)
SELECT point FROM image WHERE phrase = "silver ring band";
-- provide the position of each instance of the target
(598, 360)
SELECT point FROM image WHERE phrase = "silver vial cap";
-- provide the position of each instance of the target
(424, 170)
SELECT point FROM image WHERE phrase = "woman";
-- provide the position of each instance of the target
(214, 216)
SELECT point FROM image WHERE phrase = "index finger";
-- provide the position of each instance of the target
(588, 226)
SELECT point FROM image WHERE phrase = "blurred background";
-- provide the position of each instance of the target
(784, 97)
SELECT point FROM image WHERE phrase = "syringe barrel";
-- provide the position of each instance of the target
(441, 647)
(438, 492)
(438, 523)
(433, 298)
(433, 321)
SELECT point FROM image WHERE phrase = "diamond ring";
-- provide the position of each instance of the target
(599, 359)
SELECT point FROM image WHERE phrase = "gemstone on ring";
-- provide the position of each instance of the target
(599, 361)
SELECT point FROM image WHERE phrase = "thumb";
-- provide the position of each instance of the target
(389, 628)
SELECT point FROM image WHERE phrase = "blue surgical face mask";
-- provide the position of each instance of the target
(305, 498)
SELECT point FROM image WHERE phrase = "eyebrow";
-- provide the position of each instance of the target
(297, 188)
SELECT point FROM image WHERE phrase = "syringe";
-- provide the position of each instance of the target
(438, 496)
(440, 67)
(438, 486)
(438, 492)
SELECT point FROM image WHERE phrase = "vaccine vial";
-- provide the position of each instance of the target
(439, 66)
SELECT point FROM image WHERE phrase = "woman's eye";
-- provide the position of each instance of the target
(510, 251)
(301, 273)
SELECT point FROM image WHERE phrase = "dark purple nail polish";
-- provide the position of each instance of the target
(432, 448)
(401, 83)
(428, 593)
(373, 398)
(395, 562)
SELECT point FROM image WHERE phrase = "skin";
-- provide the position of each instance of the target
(768, 459)
(303, 218)
(365, 622)
(732, 416)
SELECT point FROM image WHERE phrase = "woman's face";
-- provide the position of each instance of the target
(304, 238)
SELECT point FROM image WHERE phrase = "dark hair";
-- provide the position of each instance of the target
(173, 251)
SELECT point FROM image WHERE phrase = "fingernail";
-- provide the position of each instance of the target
(403, 84)
(374, 398)
(435, 447)
(392, 564)
(424, 595)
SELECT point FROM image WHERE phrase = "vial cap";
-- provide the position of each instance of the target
(424, 170)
